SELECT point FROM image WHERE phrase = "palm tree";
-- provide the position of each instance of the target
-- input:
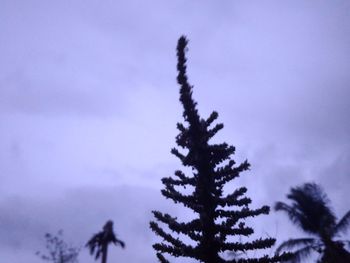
(310, 210)
(101, 240)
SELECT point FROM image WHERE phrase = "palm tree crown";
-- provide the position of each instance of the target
(310, 210)
(100, 241)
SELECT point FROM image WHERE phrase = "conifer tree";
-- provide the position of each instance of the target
(217, 222)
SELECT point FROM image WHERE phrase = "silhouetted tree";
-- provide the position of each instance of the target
(58, 251)
(212, 168)
(310, 210)
(99, 242)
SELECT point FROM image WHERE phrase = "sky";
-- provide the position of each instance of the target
(89, 106)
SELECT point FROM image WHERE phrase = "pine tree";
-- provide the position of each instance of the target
(216, 221)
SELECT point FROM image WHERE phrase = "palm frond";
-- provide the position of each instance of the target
(315, 205)
(117, 241)
(310, 209)
(294, 215)
(346, 243)
(342, 225)
(98, 254)
(95, 244)
(301, 254)
(121, 243)
(296, 243)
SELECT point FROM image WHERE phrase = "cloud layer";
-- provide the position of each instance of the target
(89, 103)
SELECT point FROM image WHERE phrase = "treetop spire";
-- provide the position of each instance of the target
(218, 217)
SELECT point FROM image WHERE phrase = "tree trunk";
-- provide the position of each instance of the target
(104, 253)
(335, 253)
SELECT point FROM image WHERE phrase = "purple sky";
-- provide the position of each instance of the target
(89, 105)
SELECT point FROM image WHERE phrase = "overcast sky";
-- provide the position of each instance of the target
(89, 105)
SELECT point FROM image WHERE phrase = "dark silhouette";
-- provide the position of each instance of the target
(212, 168)
(101, 241)
(58, 251)
(310, 210)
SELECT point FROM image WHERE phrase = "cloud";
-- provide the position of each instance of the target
(88, 101)
(81, 212)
